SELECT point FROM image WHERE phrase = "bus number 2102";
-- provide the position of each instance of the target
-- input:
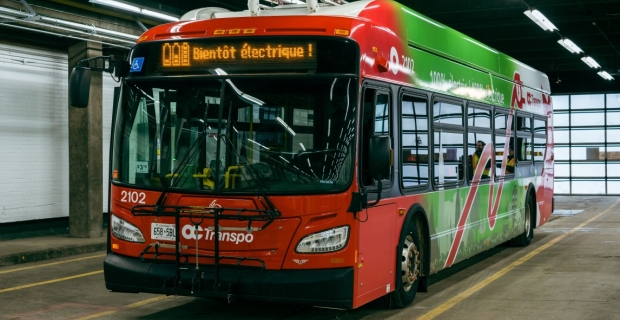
(133, 196)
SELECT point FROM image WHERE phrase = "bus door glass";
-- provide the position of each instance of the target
(375, 122)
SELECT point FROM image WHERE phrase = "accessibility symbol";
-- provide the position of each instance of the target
(136, 65)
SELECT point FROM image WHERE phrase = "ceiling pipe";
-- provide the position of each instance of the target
(64, 36)
(129, 42)
(94, 30)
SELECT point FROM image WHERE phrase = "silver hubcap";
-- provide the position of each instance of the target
(410, 263)
(528, 218)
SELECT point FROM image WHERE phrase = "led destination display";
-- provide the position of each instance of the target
(236, 56)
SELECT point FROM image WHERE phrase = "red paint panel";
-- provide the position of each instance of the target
(377, 255)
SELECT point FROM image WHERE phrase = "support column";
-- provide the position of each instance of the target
(85, 153)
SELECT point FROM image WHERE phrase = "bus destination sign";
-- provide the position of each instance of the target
(179, 56)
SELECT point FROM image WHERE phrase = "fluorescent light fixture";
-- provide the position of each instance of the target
(605, 75)
(116, 4)
(159, 15)
(540, 20)
(569, 45)
(590, 62)
(128, 7)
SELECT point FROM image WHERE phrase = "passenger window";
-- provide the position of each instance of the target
(500, 148)
(447, 113)
(540, 126)
(479, 118)
(524, 124)
(478, 166)
(500, 121)
(448, 157)
(414, 137)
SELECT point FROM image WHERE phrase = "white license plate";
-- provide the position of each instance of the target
(162, 231)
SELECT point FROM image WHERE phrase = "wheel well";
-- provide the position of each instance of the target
(531, 190)
(418, 214)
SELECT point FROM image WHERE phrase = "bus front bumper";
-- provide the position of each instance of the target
(326, 287)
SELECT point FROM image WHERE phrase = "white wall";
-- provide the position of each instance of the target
(33, 134)
(34, 176)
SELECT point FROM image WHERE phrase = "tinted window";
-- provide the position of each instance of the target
(448, 113)
(479, 118)
(414, 141)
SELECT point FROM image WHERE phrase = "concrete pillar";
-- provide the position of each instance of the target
(85, 153)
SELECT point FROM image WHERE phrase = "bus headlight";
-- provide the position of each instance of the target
(126, 231)
(324, 241)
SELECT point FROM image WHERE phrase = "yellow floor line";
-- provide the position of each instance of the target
(52, 264)
(51, 281)
(463, 295)
(127, 307)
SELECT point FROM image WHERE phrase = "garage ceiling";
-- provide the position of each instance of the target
(594, 25)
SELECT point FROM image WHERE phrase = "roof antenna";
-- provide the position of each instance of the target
(313, 5)
(254, 8)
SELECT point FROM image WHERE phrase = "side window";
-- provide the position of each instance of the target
(540, 139)
(479, 138)
(375, 121)
(504, 147)
(414, 137)
(477, 117)
(448, 137)
(523, 152)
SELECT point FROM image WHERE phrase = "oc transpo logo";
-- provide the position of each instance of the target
(189, 232)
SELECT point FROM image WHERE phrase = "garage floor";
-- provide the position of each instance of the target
(570, 271)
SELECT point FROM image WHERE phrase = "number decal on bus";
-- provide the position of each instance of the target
(133, 197)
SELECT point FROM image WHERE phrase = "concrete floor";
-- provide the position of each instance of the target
(577, 277)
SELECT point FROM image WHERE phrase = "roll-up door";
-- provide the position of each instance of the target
(34, 181)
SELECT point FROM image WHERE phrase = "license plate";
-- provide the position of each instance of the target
(162, 231)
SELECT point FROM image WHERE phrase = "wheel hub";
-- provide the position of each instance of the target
(410, 263)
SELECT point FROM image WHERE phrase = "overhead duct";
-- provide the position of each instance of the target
(64, 35)
(20, 16)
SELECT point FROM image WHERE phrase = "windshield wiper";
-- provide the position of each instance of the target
(189, 155)
(255, 177)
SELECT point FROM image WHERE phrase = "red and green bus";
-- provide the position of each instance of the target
(320, 154)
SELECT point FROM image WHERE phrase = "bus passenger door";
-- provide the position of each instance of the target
(376, 255)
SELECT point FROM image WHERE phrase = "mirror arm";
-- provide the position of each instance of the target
(379, 190)
(109, 64)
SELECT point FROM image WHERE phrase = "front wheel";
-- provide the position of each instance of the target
(524, 239)
(408, 266)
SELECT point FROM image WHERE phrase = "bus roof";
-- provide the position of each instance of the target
(409, 32)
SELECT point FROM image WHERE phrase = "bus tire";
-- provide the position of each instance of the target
(408, 266)
(524, 239)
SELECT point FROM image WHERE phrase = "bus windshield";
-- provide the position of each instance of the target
(237, 135)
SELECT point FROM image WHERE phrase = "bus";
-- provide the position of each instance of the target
(323, 154)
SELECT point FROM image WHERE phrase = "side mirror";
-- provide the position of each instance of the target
(79, 87)
(380, 157)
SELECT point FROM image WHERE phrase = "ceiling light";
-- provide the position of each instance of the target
(590, 62)
(128, 7)
(540, 20)
(569, 45)
(159, 15)
(605, 75)
(117, 4)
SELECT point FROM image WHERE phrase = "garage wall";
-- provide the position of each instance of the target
(34, 176)
(33, 134)
(108, 97)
